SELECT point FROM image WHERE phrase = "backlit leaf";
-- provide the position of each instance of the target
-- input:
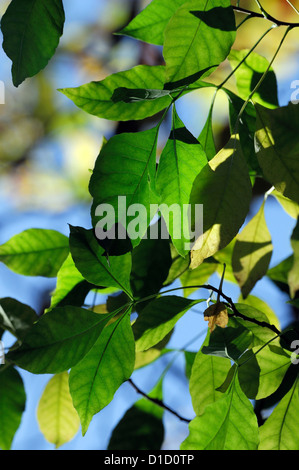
(223, 214)
(56, 415)
(149, 25)
(181, 160)
(35, 252)
(16, 317)
(95, 379)
(263, 370)
(203, 42)
(277, 148)
(58, 340)
(198, 276)
(228, 342)
(31, 32)
(252, 252)
(248, 75)
(227, 424)
(262, 306)
(280, 431)
(158, 318)
(124, 175)
(293, 276)
(12, 405)
(89, 258)
(288, 205)
(207, 373)
(96, 97)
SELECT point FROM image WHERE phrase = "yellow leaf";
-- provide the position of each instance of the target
(57, 418)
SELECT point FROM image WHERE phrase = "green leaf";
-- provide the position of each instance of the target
(31, 32)
(69, 279)
(293, 276)
(149, 25)
(12, 405)
(280, 431)
(287, 204)
(227, 424)
(249, 74)
(35, 252)
(56, 415)
(124, 175)
(246, 128)
(279, 273)
(181, 160)
(96, 98)
(252, 252)
(58, 340)
(95, 379)
(207, 373)
(206, 137)
(199, 36)
(224, 256)
(141, 428)
(16, 317)
(263, 370)
(277, 148)
(261, 334)
(158, 318)
(262, 306)
(189, 361)
(223, 214)
(198, 276)
(178, 267)
(89, 258)
(228, 342)
(144, 358)
(151, 261)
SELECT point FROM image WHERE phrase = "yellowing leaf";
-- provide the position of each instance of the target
(252, 252)
(57, 418)
(223, 187)
(216, 314)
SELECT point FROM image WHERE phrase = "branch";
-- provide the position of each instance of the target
(230, 302)
(264, 15)
(158, 402)
(236, 313)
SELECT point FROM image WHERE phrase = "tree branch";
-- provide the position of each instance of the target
(158, 402)
(264, 15)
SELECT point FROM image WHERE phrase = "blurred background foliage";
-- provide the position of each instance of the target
(48, 146)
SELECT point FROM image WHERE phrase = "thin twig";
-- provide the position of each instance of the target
(225, 297)
(264, 15)
(293, 6)
(158, 402)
